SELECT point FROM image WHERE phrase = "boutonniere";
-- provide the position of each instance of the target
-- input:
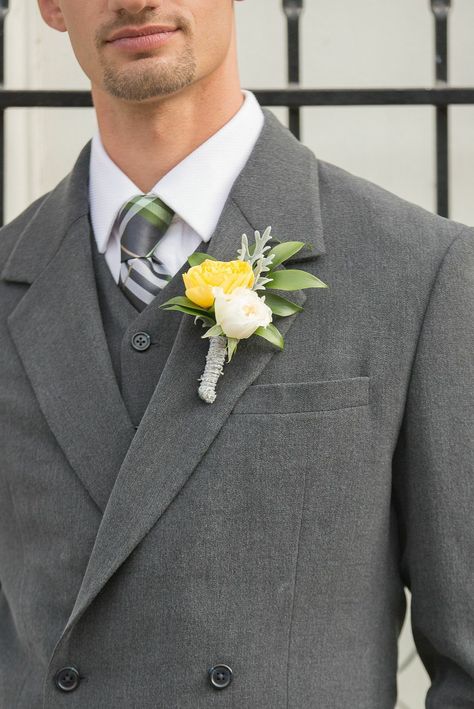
(224, 295)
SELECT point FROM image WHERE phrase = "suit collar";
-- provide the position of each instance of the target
(41, 238)
(279, 186)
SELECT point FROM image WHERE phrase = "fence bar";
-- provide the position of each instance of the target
(293, 10)
(441, 10)
(268, 97)
(365, 97)
(3, 14)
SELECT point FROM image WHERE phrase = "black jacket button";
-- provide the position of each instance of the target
(141, 341)
(220, 676)
(67, 679)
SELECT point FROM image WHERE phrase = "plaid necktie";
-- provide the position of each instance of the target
(142, 221)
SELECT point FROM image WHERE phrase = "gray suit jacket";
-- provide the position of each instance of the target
(273, 531)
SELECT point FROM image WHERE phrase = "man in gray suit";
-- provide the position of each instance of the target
(158, 551)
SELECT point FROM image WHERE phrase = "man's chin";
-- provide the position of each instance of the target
(141, 80)
(144, 87)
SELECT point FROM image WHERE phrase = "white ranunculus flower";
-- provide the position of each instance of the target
(240, 312)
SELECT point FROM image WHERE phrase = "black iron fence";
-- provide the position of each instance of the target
(441, 96)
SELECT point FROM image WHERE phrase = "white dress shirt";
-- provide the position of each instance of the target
(196, 189)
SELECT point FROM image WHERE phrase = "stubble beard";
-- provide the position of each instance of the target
(146, 79)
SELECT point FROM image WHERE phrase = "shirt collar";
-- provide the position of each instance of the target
(196, 189)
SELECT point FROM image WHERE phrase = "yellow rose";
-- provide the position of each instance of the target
(228, 275)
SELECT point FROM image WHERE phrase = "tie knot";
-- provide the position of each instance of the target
(150, 207)
(142, 221)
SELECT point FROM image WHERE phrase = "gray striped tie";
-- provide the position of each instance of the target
(142, 221)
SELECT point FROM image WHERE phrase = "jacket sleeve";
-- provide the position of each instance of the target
(433, 483)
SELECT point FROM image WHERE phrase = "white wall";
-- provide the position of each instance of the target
(371, 43)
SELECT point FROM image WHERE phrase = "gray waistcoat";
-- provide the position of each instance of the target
(137, 372)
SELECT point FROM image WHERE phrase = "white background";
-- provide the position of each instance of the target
(345, 44)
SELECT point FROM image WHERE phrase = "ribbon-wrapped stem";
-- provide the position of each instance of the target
(214, 367)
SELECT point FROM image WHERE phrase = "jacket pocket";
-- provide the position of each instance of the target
(298, 397)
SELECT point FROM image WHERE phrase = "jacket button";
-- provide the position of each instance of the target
(67, 679)
(141, 341)
(220, 676)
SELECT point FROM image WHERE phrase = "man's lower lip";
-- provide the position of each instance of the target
(145, 41)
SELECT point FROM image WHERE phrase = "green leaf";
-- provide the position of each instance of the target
(293, 279)
(213, 331)
(284, 251)
(272, 334)
(232, 343)
(281, 306)
(185, 302)
(197, 257)
(190, 311)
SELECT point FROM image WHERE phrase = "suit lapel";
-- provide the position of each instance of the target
(58, 332)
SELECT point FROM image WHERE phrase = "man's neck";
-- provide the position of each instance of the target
(147, 140)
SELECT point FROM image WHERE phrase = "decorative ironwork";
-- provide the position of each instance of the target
(441, 8)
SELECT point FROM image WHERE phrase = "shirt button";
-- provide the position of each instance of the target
(67, 679)
(141, 341)
(220, 676)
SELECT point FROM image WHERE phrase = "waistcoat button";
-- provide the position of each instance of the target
(67, 679)
(141, 341)
(220, 676)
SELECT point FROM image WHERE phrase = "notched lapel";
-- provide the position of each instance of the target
(68, 364)
(58, 332)
(178, 428)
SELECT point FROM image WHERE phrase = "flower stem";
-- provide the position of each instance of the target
(214, 367)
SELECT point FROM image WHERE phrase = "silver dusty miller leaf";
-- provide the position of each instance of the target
(259, 262)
